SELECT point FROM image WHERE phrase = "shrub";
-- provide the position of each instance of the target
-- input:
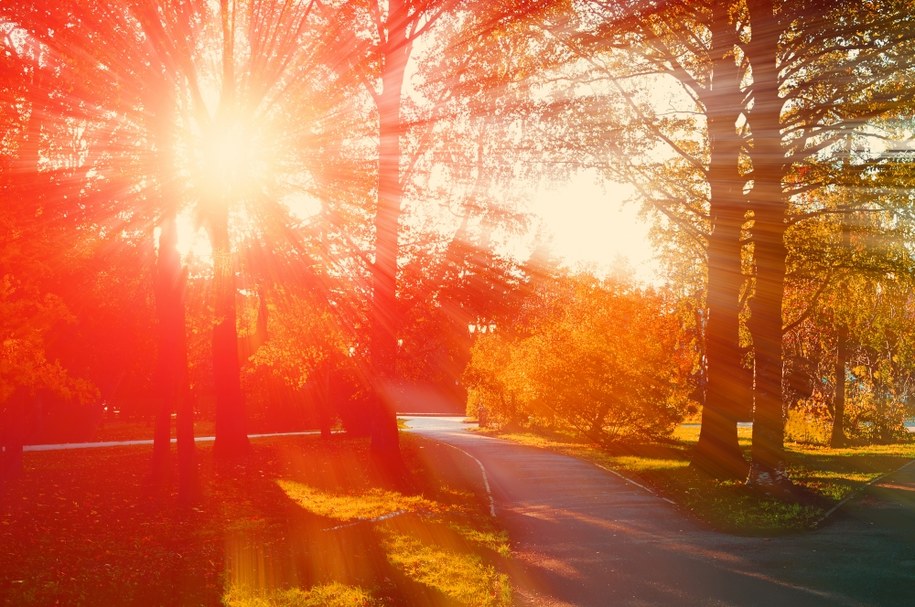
(604, 359)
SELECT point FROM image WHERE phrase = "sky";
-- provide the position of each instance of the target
(591, 226)
(588, 226)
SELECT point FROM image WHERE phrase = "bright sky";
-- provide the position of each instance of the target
(589, 227)
(593, 227)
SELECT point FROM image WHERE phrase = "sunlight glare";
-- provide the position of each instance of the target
(589, 227)
(231, 157)
(301, 206)
(193, 242)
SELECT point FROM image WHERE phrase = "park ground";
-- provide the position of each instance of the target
(824, 477)
(304, 522)
(311, 522)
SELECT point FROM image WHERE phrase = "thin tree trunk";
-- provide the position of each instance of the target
(168, 270)
(231, 436)
(838, 404)
(717, 452)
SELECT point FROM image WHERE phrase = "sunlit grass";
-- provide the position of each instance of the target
(87, 529)
(463, 577)
(490, 539)
(829, 476)
(689, 433)
(327, 595)
(646, 464)
(372, 504)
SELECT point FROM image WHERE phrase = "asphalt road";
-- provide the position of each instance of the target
(582, 536)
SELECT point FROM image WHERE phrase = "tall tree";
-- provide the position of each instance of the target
(818, 72)
(717, 451)
(397, 27)
(770, 205)
(690, 176)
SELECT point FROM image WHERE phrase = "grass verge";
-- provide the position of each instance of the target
(301, 522)
(829, 475)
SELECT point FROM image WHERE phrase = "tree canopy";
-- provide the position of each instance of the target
(271, 213)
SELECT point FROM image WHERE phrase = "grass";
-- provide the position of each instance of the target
(828, 475)
(302, 522)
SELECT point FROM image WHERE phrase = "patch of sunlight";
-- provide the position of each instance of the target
(535, 440)
(497, 541)
(638, 464)
(837, 485)
(326, 595)
(900, 450)
(856, 477)
(369, 505)
(464, 578)
(689, 433)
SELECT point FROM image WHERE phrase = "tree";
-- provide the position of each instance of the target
(383, 36)
(815, 78)
(843, 235)
(777, 85)
(770, 205)
(175, 133)
(689, 174)
(717, 451)
(30, 221)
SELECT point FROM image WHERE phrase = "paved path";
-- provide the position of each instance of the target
(584, 537)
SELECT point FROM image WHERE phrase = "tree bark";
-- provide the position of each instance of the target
(231, 436)
(384, 321)
(769, 203)
(837, 439)
(168, 269)
(173, 376)
(717, 452)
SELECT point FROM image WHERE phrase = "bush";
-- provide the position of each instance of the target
(809, 422)
(604, 359)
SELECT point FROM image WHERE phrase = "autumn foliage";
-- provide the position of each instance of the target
(605, 359)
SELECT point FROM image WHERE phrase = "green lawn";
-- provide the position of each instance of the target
(830, 475)
(303, 522)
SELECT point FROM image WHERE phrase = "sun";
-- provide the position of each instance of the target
(231, 157)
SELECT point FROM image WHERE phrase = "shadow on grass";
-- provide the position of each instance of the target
(83, 529)
(353, 530)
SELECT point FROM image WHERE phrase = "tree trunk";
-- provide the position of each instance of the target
(231, 437)
(768, 421)
(837, 439)
(323, 399)
(384, 321)
(769, 204)
(717, 452)
(173, 378)
(168, 275)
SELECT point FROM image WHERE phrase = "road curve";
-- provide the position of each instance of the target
(582, 536)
